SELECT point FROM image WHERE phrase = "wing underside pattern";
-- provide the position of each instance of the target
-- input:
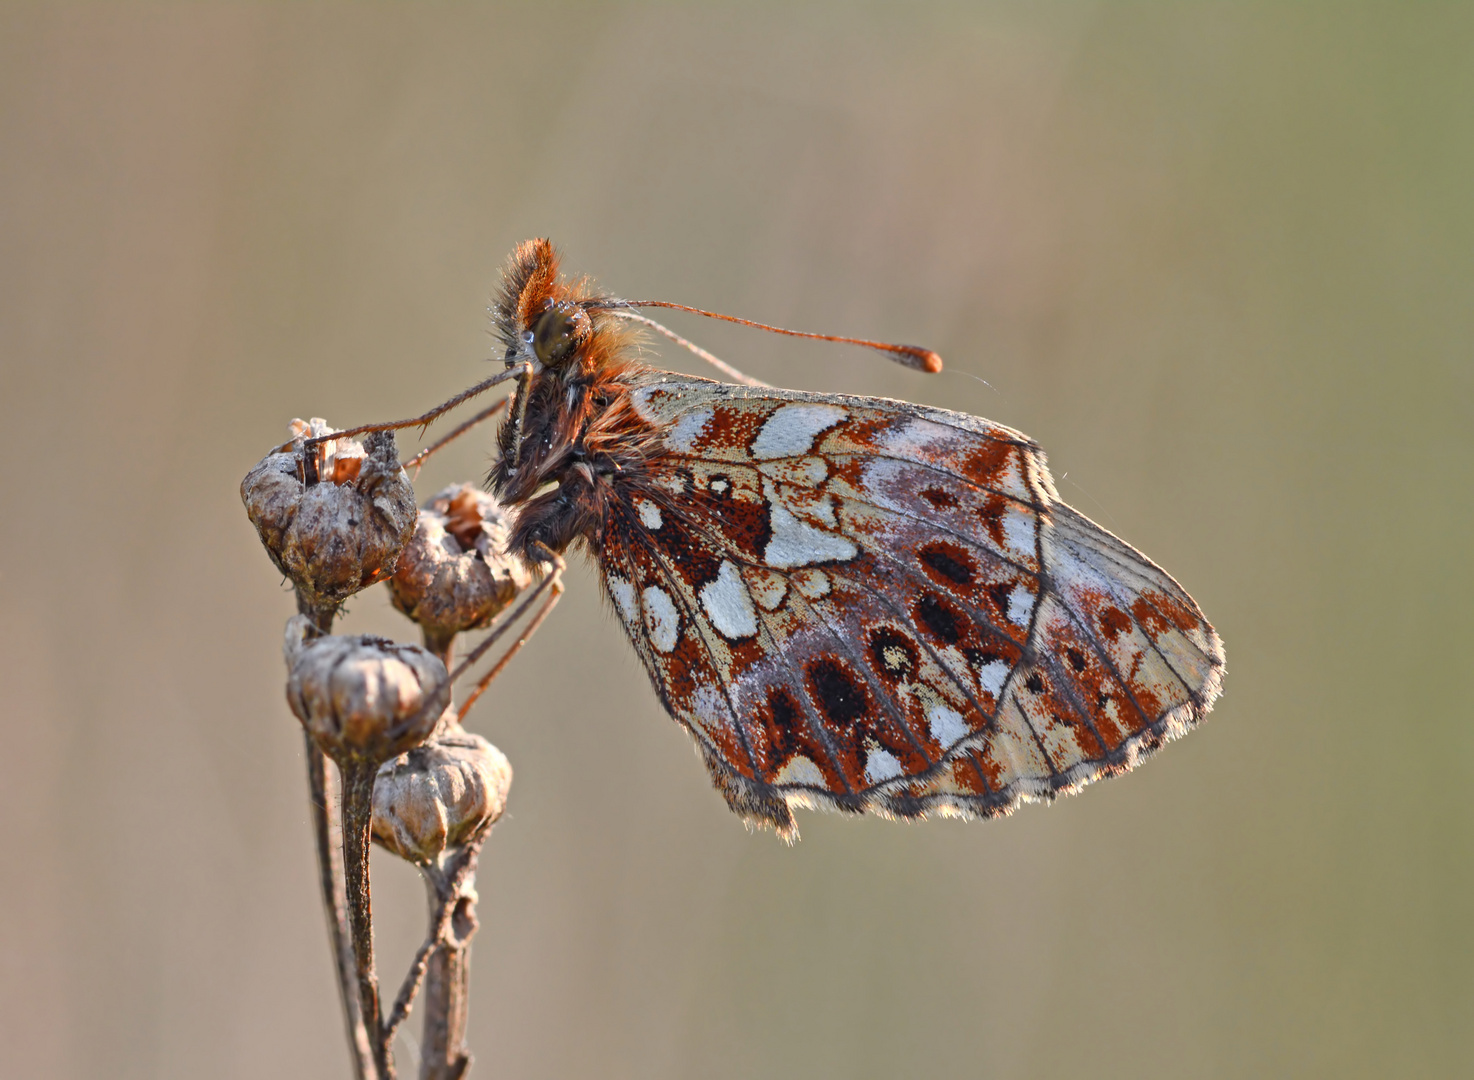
(866, 605)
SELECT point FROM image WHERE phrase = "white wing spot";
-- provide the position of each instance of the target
(947, 725)
(881, 765)
(912, 437)
(719, 486)
(992, 676)
(1018, 531)
(624, 596)
(823, 509)
(800, 770)
(796, 544)
(792, 429)
(728, 604)
(687, 429)
(661, 619)
(649, 513)
(1020, 605)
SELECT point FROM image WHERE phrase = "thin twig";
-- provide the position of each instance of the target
(441, 643)
(414, 978)
(443, 1053)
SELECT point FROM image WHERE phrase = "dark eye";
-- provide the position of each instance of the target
(558, 332)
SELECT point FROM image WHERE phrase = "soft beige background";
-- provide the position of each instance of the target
(1217, 259)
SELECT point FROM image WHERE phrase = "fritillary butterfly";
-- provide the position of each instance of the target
(850, 603)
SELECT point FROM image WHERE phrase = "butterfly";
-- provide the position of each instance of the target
(850, 603)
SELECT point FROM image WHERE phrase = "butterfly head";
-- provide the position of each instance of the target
(559, 326)
(570, 429)
(558, 334)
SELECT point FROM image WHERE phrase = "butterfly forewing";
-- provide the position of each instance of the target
(871, 605)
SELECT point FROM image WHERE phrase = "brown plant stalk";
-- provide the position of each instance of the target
(327, 834)
(335, 516)
(358, 811)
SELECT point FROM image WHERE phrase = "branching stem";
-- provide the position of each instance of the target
(447, 879)
(452, 894)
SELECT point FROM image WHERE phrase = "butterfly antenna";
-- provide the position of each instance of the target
(721, 365)
(911, 356)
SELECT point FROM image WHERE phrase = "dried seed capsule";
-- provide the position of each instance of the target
(456, 574)
(439, 794)
(362, 699)
(344, 530)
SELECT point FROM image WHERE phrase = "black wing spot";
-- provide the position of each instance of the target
(932, 613)
(980, 657)
(785, 724)
(1034, 683)
(1077, 659)
(951, 563)
(838, 692)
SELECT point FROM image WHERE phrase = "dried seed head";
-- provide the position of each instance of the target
(362, 699)
(342, 531)
(438, 795)
(456, 573)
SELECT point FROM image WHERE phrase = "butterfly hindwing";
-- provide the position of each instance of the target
(863, 604)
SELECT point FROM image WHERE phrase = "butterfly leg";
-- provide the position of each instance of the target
(550, 589)
(484, 414)
(519, 416)
(521, 371)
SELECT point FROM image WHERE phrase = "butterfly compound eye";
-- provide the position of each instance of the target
(558, 332)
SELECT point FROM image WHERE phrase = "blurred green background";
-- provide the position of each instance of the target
(1216, 258)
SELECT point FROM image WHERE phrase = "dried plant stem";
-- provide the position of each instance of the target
(358, 807)
(441, 643)
(450, 877)
(327, 832)
(327, 836)
(452, 896)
